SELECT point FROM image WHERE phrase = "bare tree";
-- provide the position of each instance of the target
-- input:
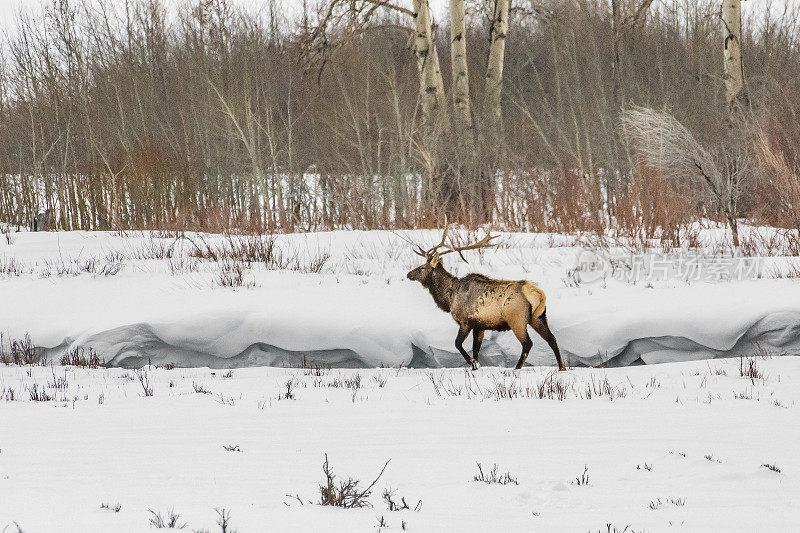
(621, 25)
(664, 144)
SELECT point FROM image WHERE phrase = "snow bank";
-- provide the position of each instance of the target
(360, 311)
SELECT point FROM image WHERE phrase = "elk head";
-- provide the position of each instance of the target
(433, 256)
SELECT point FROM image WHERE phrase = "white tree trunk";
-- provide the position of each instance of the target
(734, 72)
(431, 86)
(458, 57)
(494, 68)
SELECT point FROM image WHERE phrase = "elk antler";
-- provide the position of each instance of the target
(485, 242)
(443, 243)
(431, 252)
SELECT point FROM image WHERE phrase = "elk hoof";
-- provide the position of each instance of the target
(475, 364)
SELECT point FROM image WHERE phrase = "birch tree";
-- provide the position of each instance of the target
(731, 15)
(462, 106)
(459, 178)
(431, 85)
(494, 67)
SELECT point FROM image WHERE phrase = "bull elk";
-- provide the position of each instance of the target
(477, 302)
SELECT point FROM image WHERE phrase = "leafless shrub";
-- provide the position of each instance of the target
(226, 400)
(772, 467)
(664, 144)
(5, 358)
(494, 476)
(658, 503)
(224, 520)
(583, 479)
(154, 248)
(789, 270)
(59, 382)
(744, 395)
(316, 263)
(231, 448)
(181, 264)
(231, 274)
(748, 368)
(39, 395)
(111, 269)
(144, 380)
(228, 374)
(711, 458)
(11, 267)
(172, 520)
(353, 382)
(8, 394)
(199, 388)
(401, 505)
(77, 356)
(346, 493)
(315, 371)
(288, 392)
(117, 507)
(614, 529)
(645, 466)
(23, 352)
(245, 249)
(653, 383)
(778, 155)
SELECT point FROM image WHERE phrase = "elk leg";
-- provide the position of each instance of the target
(477, 339)
(463, 331)
(541, 327)
(521, 331)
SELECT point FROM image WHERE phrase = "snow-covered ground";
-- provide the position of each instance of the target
(341, 299)
(703, 442)
(678, 446)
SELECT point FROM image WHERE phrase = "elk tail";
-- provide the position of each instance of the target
(536, 297)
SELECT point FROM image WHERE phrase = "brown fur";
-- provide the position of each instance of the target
(478, 303)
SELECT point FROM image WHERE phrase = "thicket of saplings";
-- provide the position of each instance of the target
(220, 119)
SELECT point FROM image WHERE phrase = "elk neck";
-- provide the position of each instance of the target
(440, 285)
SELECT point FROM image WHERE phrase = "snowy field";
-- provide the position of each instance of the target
(679, 446)
(341, 299)
(262, 355)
